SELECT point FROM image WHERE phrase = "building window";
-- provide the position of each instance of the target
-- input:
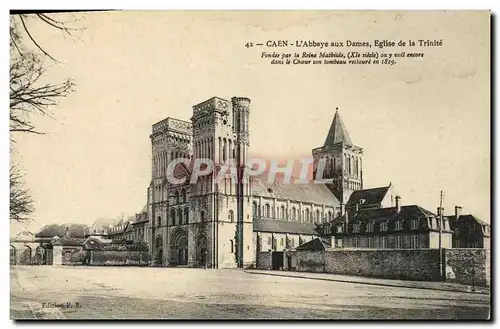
(355, 242)
(255, 209)
(369, 227)
(267, 211)
(399, 225)
(172, 216)
(294, 213)
(370, 242)
(176, 196)
(308, 215)
(340, 229)
(414, 224)
(414, 242)
(186, 215)
(318, 217)
(383, 242)
(281, 242)
(231, 243)
(183, 195)
(355, 228)
(202, 215)
(159, 221)
(329, 216)
(179, 214)
(231, 216)
(399, 242)
(282, 214)
(269, 241)
(383, 226)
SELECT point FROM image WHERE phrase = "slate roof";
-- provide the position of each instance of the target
(316, 244)
(311, 192)
(281, 226)
(371, 196)
(470, 217)
(68, 241)
(337, 133)
(384, 214)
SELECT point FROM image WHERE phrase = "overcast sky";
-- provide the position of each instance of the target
(424, 124)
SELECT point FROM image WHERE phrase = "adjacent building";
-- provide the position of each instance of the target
(469, 231)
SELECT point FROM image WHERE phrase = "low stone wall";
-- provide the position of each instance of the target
(403, 264)
(119, 257)
(419, 264)
(264, 260)
(468, 266)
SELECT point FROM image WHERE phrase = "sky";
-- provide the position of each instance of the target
(424, 124)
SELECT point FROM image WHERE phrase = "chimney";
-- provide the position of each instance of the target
(458, 212)
(398, 203)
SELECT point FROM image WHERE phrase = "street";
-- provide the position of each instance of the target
(187, 293)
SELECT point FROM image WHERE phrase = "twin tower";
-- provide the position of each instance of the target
(210, 223)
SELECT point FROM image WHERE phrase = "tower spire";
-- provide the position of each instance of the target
(338, 132)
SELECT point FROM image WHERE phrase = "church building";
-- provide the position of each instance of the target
(224, 223)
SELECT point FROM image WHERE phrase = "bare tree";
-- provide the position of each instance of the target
(21, 203)
(30, 95)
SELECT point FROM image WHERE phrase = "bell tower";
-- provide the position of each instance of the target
(343, 161)
(220, 208)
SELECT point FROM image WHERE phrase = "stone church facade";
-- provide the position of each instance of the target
(223, 223)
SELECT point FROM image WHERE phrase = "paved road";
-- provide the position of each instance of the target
(184, 293)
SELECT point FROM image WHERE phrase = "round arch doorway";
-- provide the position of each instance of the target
(179, 248)
(159, 250)
(201, 250)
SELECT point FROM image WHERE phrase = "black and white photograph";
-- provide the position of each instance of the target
(250, 165)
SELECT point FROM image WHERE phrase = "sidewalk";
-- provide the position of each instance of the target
(429, 285)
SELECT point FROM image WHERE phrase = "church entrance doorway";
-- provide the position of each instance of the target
(159, 250)
(179, 247)
(201, 250)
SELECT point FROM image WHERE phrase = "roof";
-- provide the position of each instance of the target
(337, 133)
(310, 192)
(470, 217)
(371, 196)
(93, 243)
(384, 214)
(316, 244)
(280, 226)
(68, 241)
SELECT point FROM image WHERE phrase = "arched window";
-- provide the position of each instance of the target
(183, 195)
(176, 194)
(318, 217)
(329, 216)
(231, 216)
(202, 216)
(283, 212)
(254, 209)
(267, 209)
(224, 151)
(186, 215)
(159, 221)
(179, 214)
(172, 217)
(308, 215)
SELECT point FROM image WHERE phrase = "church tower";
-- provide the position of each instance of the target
(343, 161)
(219, 208)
